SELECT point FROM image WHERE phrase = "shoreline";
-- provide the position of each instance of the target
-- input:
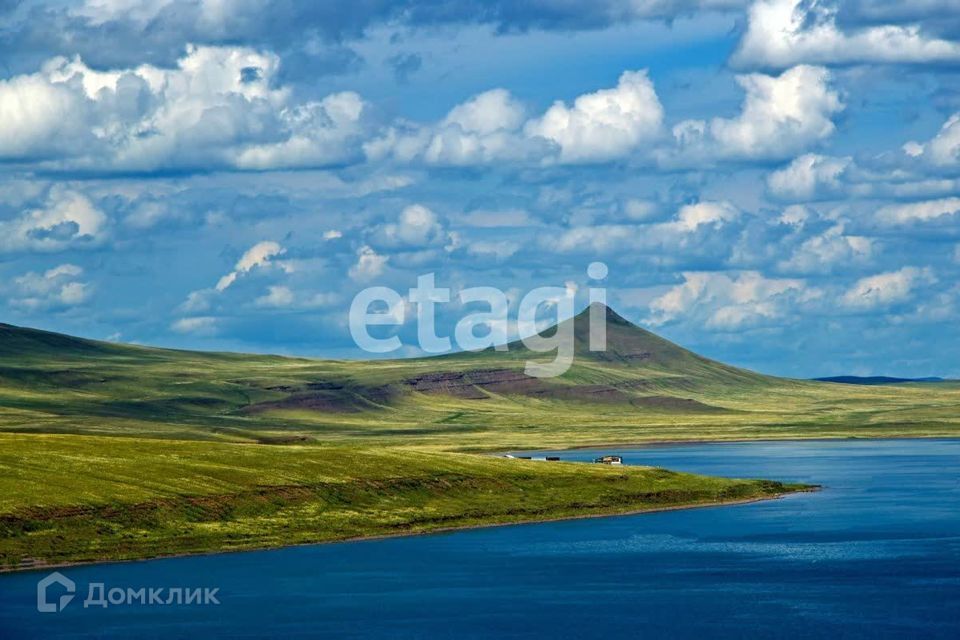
(648, 444)
(410, 534)
(21, 569)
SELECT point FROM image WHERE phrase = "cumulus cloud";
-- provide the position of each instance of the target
(781, 116)
(276, 296)
(258, 255)
(483, 129)
(727, 301)
(67, 220)
(885, 289)
(491, 249)
(227, 16)
(369, 264)
(283, 297)
(813, 176)
(220, 107)
(39, 118)
(607, 124)
(926, 211)
(600, 126)
(55, 289)
(821, 253)
(808, 177)
(152, 31)
(943, 149)
(686, 223)
(198, 301)
(416, 227)
(199, 325)
(487, 113)
(783, 33)
(201, 305)
(692, 216)
(598, 238)
(794, 216)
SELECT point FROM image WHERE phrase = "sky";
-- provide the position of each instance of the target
(771, 183)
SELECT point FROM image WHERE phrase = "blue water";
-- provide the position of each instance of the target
(875, 554)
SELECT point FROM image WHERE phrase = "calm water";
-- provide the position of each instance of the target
(875, 554)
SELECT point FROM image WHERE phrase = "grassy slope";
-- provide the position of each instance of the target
(56, 384)
(83, 498)
(207, 451)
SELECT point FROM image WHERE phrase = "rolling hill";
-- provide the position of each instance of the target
(114, 451)
(641, 387)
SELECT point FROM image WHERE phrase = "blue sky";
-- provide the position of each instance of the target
(773, 183)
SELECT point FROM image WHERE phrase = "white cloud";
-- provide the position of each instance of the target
(258, 255)
(282, 297)
(33, 121)
(487, 113)
(221, 107)
(795, 216)
(598, 239)
(481, 130)
(490, 127)
(639, 210)
(200, 325)
(688, 220)
(148, 214)
(607, 124)
(416, 227)
(216, 17)
(781, 115)
(277, 296)
(315, 134)
(692, 216)
(68, 220)
(212, 14)
(56, 288)
(820, 253)
(925, 211)
(944, 148)
(783, 33)
(727, 301)
(369, 264)
(198, 301)
(807, 177)
(886, 288)
(496, 249)
(813, 176)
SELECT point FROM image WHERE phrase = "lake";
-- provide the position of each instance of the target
(876, 553)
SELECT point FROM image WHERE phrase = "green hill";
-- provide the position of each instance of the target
(641, 387)
(118, 451)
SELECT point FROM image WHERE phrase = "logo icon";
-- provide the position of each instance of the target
(43, 604)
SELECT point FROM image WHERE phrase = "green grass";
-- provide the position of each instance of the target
(83, 498)
(116, 451)
(57, 384)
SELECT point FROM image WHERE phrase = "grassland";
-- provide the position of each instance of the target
(113, 498)
(116, 452)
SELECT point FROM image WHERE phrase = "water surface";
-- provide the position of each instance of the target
(875, 554)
